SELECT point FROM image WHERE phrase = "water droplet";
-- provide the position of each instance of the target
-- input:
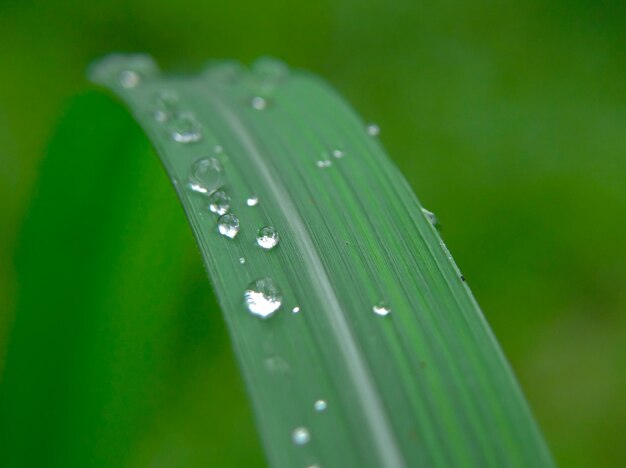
(129, 78)
(206, 175)
(186, 128)
(373, 130)
(252, 201)
(277, 365)
(262, 297)
(381, 309)
(228, 225)
(165, 105)
(338, 153)
(217, 149)
(259, 103)
(300, 436)
(432, 219)
(269, 69)
(219, 202)
(323, 163)
(267, 237)
(296, 309)
(320, 405)
(242, 260)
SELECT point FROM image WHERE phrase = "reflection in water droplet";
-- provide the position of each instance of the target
(381, 309)
(259, 103)
(432, 219)
(338, 153)
(129, 78)
(252, 201)
(300, 436)
(206, 175)
(242, 260)
(186, 128)
(219, 202)
(165, 105)
(320, 405)
(296, 309)
(373, 130)
(323, 163)
(262, 297)
(267, 237)
(228, 225)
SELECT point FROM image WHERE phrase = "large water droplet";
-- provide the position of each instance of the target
(267, 237)
(432, 218)
(165, 105)
(320, 405)
(219, 202)
(259, 103)
(381, 309)
(186, 128)
(263, 298)
(300, 436)
(228, 225)
(206, 175)
(373, 130)
(252, 201)
(323, 163)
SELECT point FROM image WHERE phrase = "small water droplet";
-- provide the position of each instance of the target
(432, 219)
(267, 237)
(217, 149)
(320, 405)
(277, 365)
(228, 225)
(206, 175)
(242, 260)
(296, 309)
(219, 202)
(323, 163)
(259, 103)
(262, 297)
(186, 128)
(252, 201)
(165, 105)
(300, 436)
(381, 309)
(373, 130)
(338, 153)
(129, 79)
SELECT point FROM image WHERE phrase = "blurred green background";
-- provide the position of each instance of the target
(507, 118)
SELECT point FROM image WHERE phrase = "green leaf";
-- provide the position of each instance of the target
(425, 384)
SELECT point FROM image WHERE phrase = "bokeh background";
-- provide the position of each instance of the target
(509, 120)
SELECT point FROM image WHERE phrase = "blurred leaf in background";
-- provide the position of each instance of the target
(508, 119)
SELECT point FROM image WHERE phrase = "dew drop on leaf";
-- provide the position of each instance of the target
(267, 237)
(262, 297)
(219, 202)
(186, 128)
(258, 103)
(373, 130)
(228, 225)
(252, 201)
(320, 405)
(432, 218)
(206, 175)
(381, 309)
(129, 79)
(300, 436)
(165, 105)
(323, 163)
(296, 310)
